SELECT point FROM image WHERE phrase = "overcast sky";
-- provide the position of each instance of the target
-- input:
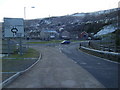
(44, 8)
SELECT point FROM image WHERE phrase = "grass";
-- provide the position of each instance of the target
(19, 64)
(45, 42)
(52, 41)
(76, 40)
(31, 53)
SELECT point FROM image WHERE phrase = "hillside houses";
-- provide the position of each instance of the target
(44, 34)
(49, 34)
(83, 35)
(73, 24)
(65, 35)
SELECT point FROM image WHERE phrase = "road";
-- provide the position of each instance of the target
(104, 71)
(55, 70)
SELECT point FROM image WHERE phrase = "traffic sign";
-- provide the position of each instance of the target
(12, 26)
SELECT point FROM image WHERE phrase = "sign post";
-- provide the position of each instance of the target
(20, 43)
(8, 42)
(14, 28)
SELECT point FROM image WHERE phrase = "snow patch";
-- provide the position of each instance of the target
(106, 30)
(47, 22)
(79, 14)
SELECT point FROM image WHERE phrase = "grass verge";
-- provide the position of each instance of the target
(19, 63)
(30, 53)
(45, 42)
(52, 41)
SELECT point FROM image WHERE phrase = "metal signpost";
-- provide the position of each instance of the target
(20, 42)
(14, 28)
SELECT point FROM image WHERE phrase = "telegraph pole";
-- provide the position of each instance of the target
(24, 12)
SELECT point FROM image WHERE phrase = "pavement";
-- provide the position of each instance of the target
(55, 70)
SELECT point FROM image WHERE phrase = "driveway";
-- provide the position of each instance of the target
(55, 70)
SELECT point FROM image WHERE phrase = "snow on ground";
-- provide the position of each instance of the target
(106, 30)
(96, 13)
(79, 14)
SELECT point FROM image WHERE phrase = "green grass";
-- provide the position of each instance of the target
(52, 41)
(45, 42)
(31, 53)
(19, 64)
(77, 40)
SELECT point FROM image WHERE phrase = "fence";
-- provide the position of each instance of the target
(4, 46)
(104, 54)
(13, 48)
(104, 46)
(105, 51)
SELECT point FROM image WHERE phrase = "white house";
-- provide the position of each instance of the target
(49, 34)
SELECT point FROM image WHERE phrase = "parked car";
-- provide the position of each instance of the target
(65, 42)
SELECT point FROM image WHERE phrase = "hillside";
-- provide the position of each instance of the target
(76, 23)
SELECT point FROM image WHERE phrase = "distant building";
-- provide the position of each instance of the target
(34, 34)
(49, 34)
(65, 35)
(83, 35)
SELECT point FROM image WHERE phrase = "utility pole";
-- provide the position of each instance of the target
(24, 12)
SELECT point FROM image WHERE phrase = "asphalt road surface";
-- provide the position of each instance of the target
(55, 70)
(67, 66)
(104, 71)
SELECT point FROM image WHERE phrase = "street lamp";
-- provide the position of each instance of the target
(25, 18)
(25, 11)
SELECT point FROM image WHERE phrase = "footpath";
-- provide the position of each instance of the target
(55, 70)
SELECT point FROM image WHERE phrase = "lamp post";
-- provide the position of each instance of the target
(25, 15)
(25, 11)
